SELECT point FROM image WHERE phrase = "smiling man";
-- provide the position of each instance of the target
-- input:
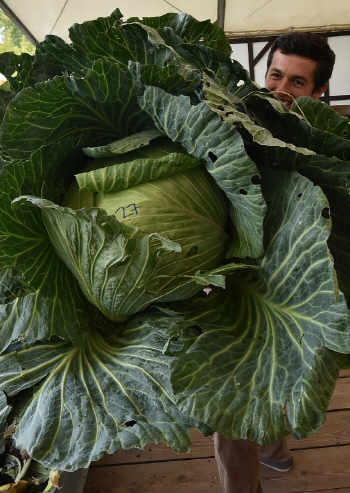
(299, 64)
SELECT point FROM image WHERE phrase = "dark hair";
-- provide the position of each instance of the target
(307, 45)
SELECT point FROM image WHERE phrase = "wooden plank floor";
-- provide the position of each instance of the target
(322, 462)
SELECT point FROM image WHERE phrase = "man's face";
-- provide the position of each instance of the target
(291, 76)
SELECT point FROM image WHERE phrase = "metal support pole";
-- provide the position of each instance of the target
(221, 13)
(9, 12)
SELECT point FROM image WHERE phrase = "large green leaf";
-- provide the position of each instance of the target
(120, 44)
(268, 345)
(111, 392)
(233, 110)
(266, 147)
(54, 56)
(322, 116)
(102, 104)
(204, 59)
(291, 128)
(122, 146)
(125, 175)
(116, 270)
(175, 78)
(45, 298)
(15, 68)
(4, 412)
(216, 64)
(5, 97)
(323, 165)
(204, 136)
(190, 30)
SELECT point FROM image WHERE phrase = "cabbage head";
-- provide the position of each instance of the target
(173, 245)
(187, 208)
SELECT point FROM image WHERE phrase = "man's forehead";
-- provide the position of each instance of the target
(303, 68)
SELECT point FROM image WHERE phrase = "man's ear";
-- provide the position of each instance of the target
(318, 94)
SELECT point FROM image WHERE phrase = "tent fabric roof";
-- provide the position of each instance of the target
(248, 18)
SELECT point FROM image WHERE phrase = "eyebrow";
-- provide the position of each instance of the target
(300, 77)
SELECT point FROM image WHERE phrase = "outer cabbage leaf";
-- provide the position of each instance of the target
(325, 168)
(204, 136)
(269, 344)
(122, 44)
(102, 104)
(42, 299)
(267, 113)
(115, 268)
(129, 42)
(5, 411)
(266, 147)
(121, 176)
(190, 30)
(16, 68)
(322, 116)
(205, 60)
(5, 97)
(111, 392)
(54, 56)
(122, 146)
(230, 72)
(173, 78)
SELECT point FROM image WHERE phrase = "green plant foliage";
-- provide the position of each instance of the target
(219, 306)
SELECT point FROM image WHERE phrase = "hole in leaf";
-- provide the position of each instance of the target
(345, 132)
(212, 157)
(243, 192)
(192, 251)
(326, 213)
(130, 423)
(256, 180)
(198, 329)
(299, 195)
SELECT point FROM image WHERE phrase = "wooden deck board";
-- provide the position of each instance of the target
(322, 462)
(314, 470)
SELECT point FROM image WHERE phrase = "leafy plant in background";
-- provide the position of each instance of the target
(190, 282)
(11, 37)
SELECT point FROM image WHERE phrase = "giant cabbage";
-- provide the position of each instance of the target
(119, 332)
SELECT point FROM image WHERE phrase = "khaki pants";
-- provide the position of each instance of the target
(239, 465)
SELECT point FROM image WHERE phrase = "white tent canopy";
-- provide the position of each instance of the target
(36, 18)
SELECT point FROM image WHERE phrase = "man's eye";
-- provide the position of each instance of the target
(299, 83)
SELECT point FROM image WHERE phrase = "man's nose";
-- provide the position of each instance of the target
(283, 86)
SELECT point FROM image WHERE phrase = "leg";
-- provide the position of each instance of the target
(238, 464)
(277, 456)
